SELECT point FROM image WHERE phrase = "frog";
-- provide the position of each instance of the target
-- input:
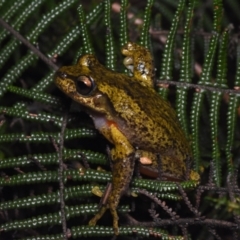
(132, 116)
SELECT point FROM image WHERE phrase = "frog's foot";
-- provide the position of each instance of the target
(128, 63)
(139, 60)
(194, 176)
(94, 220)
(122, 173)
(113, 211)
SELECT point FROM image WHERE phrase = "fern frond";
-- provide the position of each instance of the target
(110, 49)
(186, 69)
(167, 59)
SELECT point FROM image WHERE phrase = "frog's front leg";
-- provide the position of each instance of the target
(123, 165)
(139, 60)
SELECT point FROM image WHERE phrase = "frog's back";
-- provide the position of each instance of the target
(146, 114)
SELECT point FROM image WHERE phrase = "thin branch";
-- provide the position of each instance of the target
(187, 201)
(199, 87)
(214, 233)
(218, 189)
(160, 203)
(17, 35)
(191, 221)
(231, 196)
(157, 33)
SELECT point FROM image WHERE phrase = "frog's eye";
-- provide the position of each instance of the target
(85, 85)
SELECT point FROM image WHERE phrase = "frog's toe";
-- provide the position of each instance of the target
(92, 222)
(115, 225)
(116, 230)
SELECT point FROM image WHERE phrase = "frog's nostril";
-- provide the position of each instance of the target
(61, 74)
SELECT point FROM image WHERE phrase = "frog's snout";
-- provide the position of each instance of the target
(59, 74)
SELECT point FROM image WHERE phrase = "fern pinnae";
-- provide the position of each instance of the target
(17, 171)
(172, 3)
(95, 13)
(167, 59)
(123, 38)
(87, 46)
(22, 112)
(165, 11)
(64, 44)
(221, 80)
(44, 137)
(49, 17)
(3, 7)
(54, 218)
(34, 201)
(61, 47)
(7, 14)
(51, 158)
(45, 237)
(185, 71)
(52, 176)
(91, 17)
(123, 34)
(145, 36)
(195, 115)
(205, 79)
(79, 191)
(232, 117)
(36, 95)
(163, 186)
(37, 30)
(79, 53)
(231, 126)
(30, 178)
(14, 72)
(92, 231)
(109, 47)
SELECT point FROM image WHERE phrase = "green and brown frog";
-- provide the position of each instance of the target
(131, 115)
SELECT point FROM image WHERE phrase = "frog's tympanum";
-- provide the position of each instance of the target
(131, 115)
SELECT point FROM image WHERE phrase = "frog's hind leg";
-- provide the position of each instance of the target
(122, 174)
(123, 159)
(94, 220)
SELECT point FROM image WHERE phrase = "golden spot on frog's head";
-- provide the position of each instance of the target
(88, 60)
(128, 48)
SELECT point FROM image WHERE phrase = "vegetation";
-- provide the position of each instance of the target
(50, 151)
